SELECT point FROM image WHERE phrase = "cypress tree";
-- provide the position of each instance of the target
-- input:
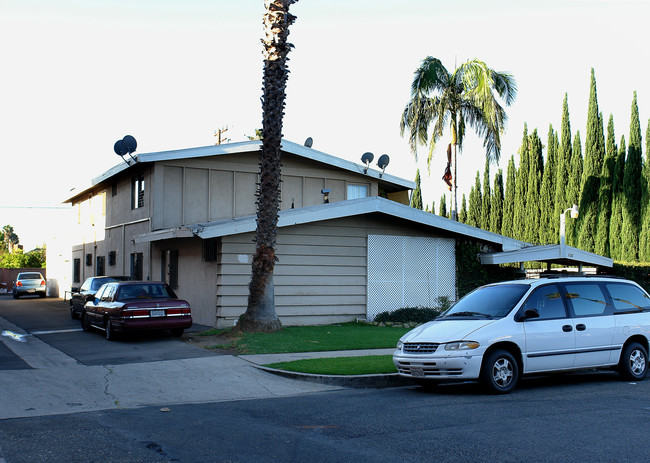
(563, 167)
(416, 196)
(632, 189)
(487, 196)
(593, 165)
(532, 206)
(605, 193)
(573, 193)
(521, 187)
(462, 216)
(616, 220)
(644, 238)
(443, 206)
(509, 199)
(547, 223)
(475, 203)
(496, 216)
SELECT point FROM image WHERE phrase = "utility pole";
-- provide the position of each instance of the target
(218, 133)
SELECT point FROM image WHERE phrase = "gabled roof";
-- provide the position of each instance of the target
(246, 147)
(337, 210)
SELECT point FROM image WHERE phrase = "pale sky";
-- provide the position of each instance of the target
(77, 75)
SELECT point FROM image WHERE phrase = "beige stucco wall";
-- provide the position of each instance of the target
(197, 280)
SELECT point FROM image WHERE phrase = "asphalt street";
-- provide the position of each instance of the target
(70, 396)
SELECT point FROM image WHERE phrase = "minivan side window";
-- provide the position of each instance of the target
(586, 299)
(628, 298)
(548, 302)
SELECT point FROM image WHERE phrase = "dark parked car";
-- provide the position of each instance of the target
(136, 306)
(85, 293)
(29, 284)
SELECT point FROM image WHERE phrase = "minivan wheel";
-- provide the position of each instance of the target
(499, 372)
(634, 362)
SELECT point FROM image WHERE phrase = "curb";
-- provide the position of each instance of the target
(360, 381)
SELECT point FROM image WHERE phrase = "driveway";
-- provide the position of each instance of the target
(48, 366)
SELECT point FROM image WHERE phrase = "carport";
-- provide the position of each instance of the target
(551, 254)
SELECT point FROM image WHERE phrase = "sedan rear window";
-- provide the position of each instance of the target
(488, 301)
(30, 276)
(144, 291)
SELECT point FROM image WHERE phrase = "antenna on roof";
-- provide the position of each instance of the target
(367, 159)
(382, 163)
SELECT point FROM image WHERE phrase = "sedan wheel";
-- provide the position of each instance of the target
(85, 323)
(110, 334)
(500, 372)
(634, 362)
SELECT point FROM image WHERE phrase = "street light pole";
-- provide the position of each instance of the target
(574, 215)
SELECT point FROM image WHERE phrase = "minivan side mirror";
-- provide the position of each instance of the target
(530, 313)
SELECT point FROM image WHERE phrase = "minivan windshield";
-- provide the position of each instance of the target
(494, 301)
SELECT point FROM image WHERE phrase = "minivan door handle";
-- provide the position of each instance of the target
(581, 327)
(567, 328)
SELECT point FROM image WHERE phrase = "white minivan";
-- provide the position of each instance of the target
(501, 331)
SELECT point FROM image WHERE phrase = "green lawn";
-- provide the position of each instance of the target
(367, 365)
(344, 336)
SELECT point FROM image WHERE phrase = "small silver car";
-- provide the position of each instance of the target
(28, 284)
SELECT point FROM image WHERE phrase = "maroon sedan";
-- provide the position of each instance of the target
(123, 306)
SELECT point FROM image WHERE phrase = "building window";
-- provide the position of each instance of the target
(76, 271)
(357, 191)
(101, 266)
(137, 192)
(89, 260)
(169, 267)
(112, 258)
(136, 265)
(210, 250)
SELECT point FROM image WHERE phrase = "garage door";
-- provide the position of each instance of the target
(406, 271)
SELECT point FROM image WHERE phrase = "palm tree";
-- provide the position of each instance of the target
(260, 314)
(465, 97)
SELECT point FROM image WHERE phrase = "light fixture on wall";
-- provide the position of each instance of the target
(382, 163)
(367, 159)
(326, 195)
(309, 142)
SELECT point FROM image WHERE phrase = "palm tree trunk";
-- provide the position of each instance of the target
(260, 314)
(454, 188)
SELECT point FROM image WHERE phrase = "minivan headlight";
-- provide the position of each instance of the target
(462, 345)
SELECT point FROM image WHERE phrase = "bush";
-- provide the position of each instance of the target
(414, 314)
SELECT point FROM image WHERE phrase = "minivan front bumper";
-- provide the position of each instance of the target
(453, 366)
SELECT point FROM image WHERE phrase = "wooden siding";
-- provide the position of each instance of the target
(320, 276)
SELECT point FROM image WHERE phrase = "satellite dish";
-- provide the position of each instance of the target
(309, 142)
(382, 163)
(129, 144)
(119, 148)
(367, 159)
